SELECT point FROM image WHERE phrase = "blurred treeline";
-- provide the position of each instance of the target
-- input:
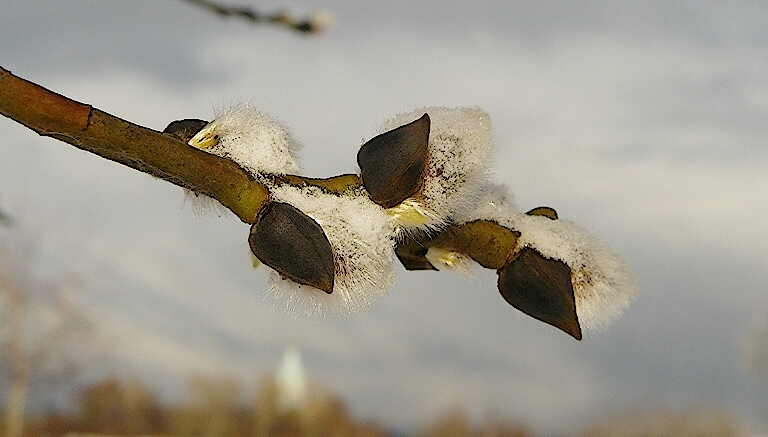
(47, 340)
(216, 407)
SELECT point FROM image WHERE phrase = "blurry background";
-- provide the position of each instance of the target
(645, 122)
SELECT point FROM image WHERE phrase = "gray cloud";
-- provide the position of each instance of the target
(646, 123)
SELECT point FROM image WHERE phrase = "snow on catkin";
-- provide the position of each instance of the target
(252, 139)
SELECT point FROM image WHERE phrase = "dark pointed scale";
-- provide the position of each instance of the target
(543, 211)
(185, 129)
(412, 254)
(392, 164)
(294, 245)
(542, 288)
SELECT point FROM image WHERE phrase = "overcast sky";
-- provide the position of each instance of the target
(646, 122)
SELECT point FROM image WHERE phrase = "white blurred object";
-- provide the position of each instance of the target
(291, 381)
(321, 21)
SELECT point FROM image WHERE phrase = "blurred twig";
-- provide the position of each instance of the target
(5, 219)
(316, 23)
(758, 351)
(46, 338)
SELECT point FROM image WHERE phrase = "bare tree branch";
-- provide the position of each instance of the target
(316, 23)
(44, 337)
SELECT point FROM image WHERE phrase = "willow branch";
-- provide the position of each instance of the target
(488, 243)
(540, 287)
(165, 157)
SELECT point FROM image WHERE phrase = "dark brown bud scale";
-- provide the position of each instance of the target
(392, 164)
(185, 129)
(543, 211)
(294, 245)
(542, 288)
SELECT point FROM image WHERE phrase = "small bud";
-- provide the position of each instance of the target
(294, 245)
(207, 137)
(392, 164)
(412, 255)
(451, 260)
(544, 211)
(185, 129)
(541, 288)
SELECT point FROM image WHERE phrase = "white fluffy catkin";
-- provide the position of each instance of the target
(460, 150)
(363, 244)
(252, 139)
(360, 232)
(603, 283)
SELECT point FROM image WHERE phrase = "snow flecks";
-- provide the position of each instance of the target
(460, 151)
